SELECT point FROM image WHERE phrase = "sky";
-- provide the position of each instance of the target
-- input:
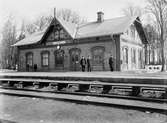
(29, 9)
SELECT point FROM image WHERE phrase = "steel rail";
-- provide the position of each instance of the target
(86, 99)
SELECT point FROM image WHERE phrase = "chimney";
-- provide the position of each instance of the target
(100, 16)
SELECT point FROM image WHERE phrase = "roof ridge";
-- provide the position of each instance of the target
(109, 26)
(76, 30)
(88, 23)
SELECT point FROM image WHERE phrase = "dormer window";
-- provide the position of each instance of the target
(132, 29)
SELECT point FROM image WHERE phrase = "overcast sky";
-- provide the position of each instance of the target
(28, 9)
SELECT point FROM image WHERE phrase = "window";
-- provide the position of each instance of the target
(140, 55)
(140, 58)
(127, 32)
(29, 59)
(125, 55)
(59, 58)
(45, 58)
(133, 52)
(63, 35)
(58, 34)
(98, 55)
(132, 31)
(75, 55)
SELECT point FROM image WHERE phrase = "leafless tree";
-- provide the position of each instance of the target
(70, 16)
(22, 31)
(30, 28)
(42, 21)
(159, 9)
(132, 10)
(8, 55)
(154, 44)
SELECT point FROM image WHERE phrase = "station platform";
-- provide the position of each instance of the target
(159, 78)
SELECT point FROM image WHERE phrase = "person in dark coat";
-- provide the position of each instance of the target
(35, 67)
(27, 67)
(88, 61)
(111, 63)
(83, 63)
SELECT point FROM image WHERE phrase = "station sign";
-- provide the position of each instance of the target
(57, 42)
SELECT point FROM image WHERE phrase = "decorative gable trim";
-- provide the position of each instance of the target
(54, 20)
(137, 23)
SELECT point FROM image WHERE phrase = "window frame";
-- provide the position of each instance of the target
(74, 51)
(42, 53)
(132, 28)
(92, 51)
(133, 55)
(125, 54)
(27, 54)
(55, 55)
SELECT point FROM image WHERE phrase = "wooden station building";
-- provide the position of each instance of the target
(62, 44)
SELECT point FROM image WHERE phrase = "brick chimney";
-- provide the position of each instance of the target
(100, 16)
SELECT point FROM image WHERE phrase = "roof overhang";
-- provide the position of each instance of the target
(140, 30)
(111, 35)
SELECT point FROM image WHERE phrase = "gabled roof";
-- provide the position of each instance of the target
(71, 28)
(107, 27)
(92, 29)
(31, 39)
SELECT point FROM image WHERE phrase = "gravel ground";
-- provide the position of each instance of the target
(34, 110)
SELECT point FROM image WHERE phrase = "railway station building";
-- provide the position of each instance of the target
(62, 44)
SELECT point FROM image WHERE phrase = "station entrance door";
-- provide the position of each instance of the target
(75, 59)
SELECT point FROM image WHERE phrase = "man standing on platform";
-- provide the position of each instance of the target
(111, 62)
(83, 63)
(88, 60)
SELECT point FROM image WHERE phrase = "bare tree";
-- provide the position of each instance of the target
(154, 44)
(132, 10)
(42, 21)
(8, 53)
(159, 9)
(70, 16)
(22, 31)
(30, 28)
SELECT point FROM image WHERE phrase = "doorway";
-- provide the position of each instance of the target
(75, 59)
(59, 59)
(98, 58)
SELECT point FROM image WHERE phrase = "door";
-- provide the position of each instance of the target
(59, 59)
(98, 58)
(75, 59)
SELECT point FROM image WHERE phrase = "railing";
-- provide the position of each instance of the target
(138, 91)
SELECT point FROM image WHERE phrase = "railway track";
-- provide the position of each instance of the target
(145, 96)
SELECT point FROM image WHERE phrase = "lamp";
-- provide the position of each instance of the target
(58, 47)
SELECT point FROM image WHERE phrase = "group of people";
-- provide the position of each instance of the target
(87, 62)
(31, 68)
